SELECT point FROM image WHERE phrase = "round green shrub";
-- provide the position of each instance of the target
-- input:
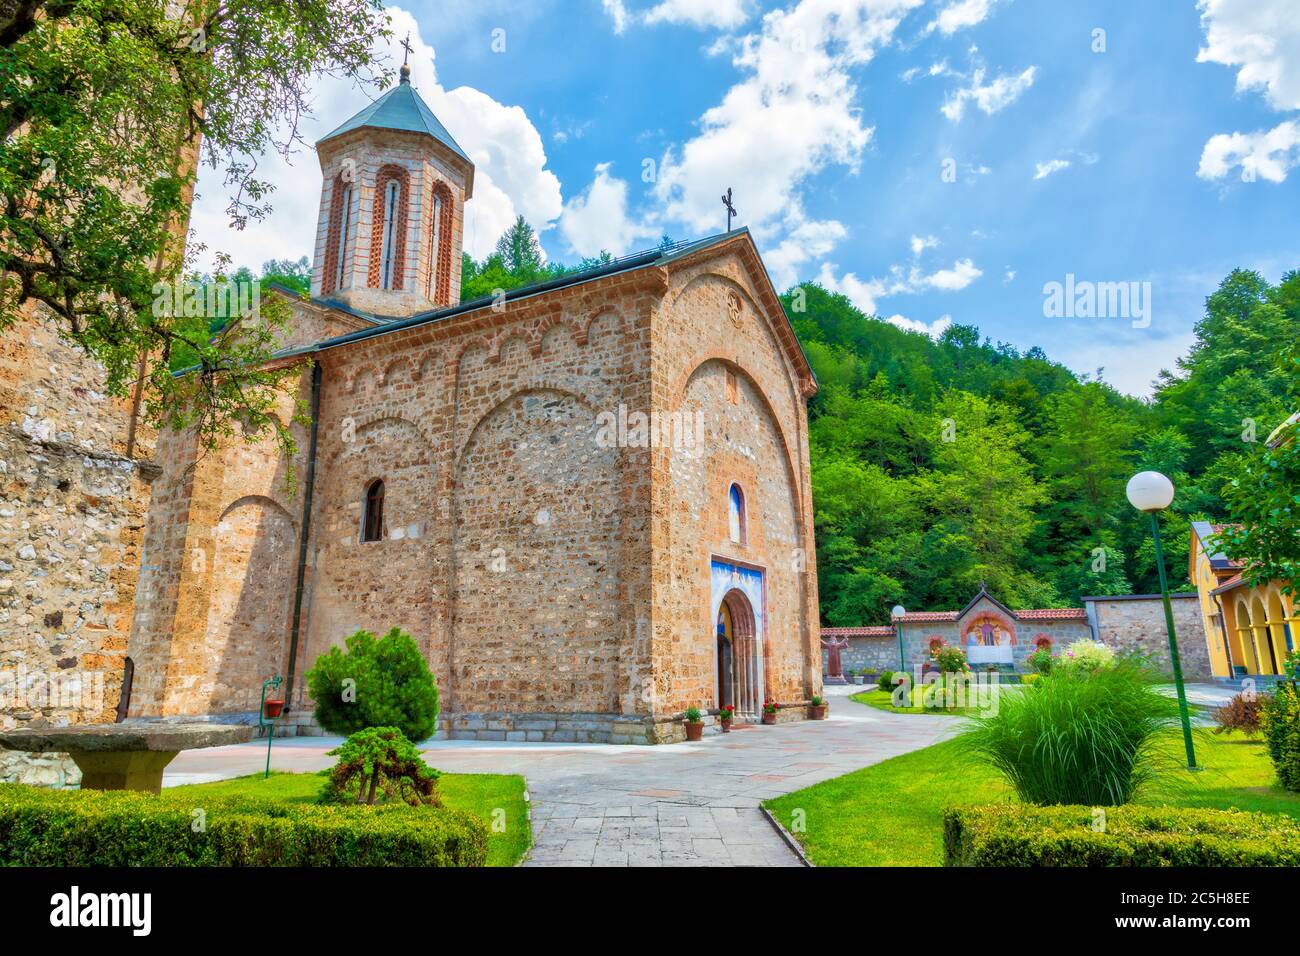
(1279, 719)
(376, 682)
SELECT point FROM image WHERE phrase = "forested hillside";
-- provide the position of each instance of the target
(940, 464)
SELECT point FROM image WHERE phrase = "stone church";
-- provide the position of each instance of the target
(587, 500)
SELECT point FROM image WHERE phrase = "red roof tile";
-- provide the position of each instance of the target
(879, 631)
(1052, 614)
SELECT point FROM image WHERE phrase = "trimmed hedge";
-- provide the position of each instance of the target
(128, 828)
(1020, 835)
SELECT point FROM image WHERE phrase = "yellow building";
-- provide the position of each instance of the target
(1250, 630)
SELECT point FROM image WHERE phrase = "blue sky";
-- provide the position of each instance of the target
(936, 160)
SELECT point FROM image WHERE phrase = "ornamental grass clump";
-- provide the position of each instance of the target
(1076, 735)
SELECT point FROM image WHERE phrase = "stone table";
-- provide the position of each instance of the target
(128, 756)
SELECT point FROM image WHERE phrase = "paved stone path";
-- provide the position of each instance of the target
(684, 805)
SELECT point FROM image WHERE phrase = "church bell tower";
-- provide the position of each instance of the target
(395, 182)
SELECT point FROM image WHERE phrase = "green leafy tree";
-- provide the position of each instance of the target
(1263, 498)
(105, 105)
(1086, 456)
(376, 682)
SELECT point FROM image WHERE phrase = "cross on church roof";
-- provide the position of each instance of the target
(731, 210)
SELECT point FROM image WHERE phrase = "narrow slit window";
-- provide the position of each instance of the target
(736, 514)
(372, 527)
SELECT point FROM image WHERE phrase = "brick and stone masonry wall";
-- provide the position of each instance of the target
(1137, 623)
(72, 515)
(549, 576)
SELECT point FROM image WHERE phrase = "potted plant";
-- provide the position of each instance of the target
(860, 677)
(694, 724)
(273, 707)
(725, 714)
(769, 711)
(817, 707)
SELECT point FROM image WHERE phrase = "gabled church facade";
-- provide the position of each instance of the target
(588, 501)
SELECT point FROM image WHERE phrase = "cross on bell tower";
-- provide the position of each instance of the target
(406, 66)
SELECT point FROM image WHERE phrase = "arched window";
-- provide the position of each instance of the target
(438, 289)
(736, 514)
(388, 229)
(336, 251)
(372, 525)
(391, 194)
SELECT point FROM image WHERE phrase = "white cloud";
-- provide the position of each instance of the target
(790, 117)
(1009, 277)
(921, 243)
(962, 274)
(598, 219)
(510, 179)
(1043, 170)
(1262, 39)
(719, 14)
(990, 97)
(933, 329)
(960, 14)
(617, 12)
(862, 294)
(807, 240)
(901, 280)
(1264, 154)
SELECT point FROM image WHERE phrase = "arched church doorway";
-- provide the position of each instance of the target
(739, 680)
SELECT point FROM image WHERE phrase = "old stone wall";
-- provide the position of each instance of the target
(866, 653)
(717, 354)
(217, 575)
(72, 508)
(1137, 624)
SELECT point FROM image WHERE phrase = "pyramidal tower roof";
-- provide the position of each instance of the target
(401, 108)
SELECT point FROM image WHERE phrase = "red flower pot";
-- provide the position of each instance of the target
(726, 726)
(272, 708)
(769, 718)
(817, 712)
(694, 731)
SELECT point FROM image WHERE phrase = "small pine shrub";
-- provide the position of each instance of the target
(886, 680)
(377, 682)
(380, 761)
(1241, 713)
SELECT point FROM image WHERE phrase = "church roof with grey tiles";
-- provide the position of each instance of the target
(401, 108)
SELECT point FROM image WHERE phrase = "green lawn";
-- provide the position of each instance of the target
(890, 814)
(479, 793)
(884, 700)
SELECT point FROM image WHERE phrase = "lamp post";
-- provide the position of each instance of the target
(1152, 492)
(897, 614)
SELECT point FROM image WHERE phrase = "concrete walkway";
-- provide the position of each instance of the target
(684, 804)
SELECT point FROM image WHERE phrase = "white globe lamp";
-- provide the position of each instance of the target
(1150, 491)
